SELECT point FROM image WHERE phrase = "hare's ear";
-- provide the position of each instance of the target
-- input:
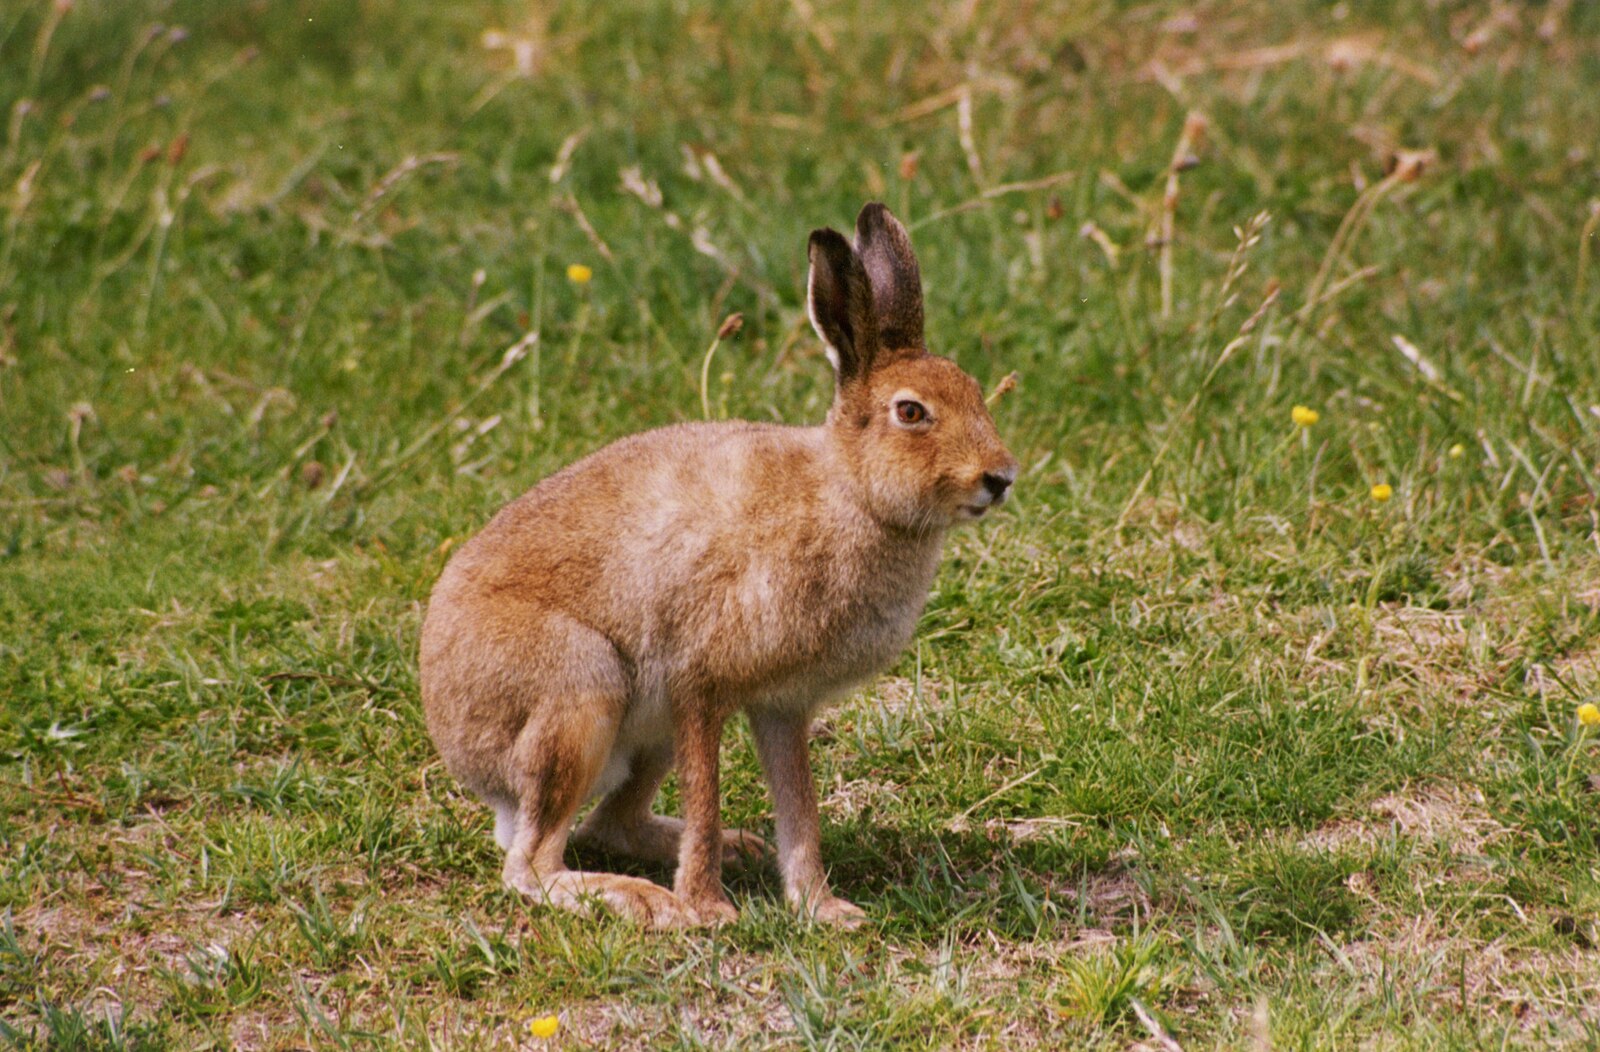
(839, 300)
(885, 250)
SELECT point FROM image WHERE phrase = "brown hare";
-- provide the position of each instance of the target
(606, 624)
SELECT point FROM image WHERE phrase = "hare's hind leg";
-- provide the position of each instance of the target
(534, 865)
(557, 757)
(623, 824)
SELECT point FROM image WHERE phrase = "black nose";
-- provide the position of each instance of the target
(996, 485)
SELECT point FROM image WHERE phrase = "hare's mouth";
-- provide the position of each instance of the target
(976, 511)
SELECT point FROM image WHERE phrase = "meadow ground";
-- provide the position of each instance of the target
(1201, 744)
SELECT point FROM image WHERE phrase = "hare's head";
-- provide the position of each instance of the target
(915, 432)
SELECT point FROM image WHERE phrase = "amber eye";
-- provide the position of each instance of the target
(909, 412)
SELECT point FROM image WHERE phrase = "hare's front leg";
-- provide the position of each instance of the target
(783, 743)
(698, 885)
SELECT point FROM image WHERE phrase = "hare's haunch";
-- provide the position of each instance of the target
(606, 624)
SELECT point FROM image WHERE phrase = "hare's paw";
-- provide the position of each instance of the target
(740, 848)
(648, 904)
(656, 907)
(637, 900)
(656, 839)
(836, 911)
(713, 912)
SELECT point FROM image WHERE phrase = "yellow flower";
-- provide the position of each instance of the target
(1382, 492)
(1589, 714)
(545, 1026)
(579, 274)
(1457, 450)
(1304, 416)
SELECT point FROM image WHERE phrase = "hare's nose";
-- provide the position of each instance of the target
(997, 484)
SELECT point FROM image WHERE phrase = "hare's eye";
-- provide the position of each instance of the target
(908, 412)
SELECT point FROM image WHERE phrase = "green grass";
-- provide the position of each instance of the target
(1197, 736)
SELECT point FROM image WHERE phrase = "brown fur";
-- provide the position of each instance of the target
(608, 622)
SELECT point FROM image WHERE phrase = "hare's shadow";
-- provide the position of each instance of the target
(935, 878)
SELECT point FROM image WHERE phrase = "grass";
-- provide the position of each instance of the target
(1199, 742)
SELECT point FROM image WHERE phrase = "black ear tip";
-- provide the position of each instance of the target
(874, 216)
(831, 244)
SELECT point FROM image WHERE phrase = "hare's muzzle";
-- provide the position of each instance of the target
(997, 483)
(994, 486)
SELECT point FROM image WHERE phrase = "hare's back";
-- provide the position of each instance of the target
(693, 476)
(632, 517)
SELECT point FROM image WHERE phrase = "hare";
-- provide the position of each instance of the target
(606, 624)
